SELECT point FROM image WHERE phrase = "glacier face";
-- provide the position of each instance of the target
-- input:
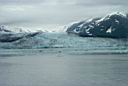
(114, 25)
(62, 40)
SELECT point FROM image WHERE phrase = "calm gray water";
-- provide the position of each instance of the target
(63, 70)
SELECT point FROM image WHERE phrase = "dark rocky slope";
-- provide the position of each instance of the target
(114, 25)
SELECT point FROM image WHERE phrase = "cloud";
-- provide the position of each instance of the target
(55, 11)
(86, 2)
(114, 2)
(19, 1)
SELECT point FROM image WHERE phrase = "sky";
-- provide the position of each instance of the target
(53, 13)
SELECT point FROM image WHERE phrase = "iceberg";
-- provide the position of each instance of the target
(114, 25)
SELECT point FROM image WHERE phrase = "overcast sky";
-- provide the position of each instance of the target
(56, 11)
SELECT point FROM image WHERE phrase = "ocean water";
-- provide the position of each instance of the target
(60, 69)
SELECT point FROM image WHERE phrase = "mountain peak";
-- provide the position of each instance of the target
(4, 29)
(117, 14)
(114, 25)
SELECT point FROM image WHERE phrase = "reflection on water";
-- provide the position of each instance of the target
(64, 70)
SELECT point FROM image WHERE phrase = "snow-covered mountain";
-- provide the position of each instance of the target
(4, 29)
(114, 25)
(10, 36)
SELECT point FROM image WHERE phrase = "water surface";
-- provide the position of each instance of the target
(59, 69)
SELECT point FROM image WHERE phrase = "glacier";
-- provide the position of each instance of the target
(61, 42)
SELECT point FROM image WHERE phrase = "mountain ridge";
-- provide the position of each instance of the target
(114, 25)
